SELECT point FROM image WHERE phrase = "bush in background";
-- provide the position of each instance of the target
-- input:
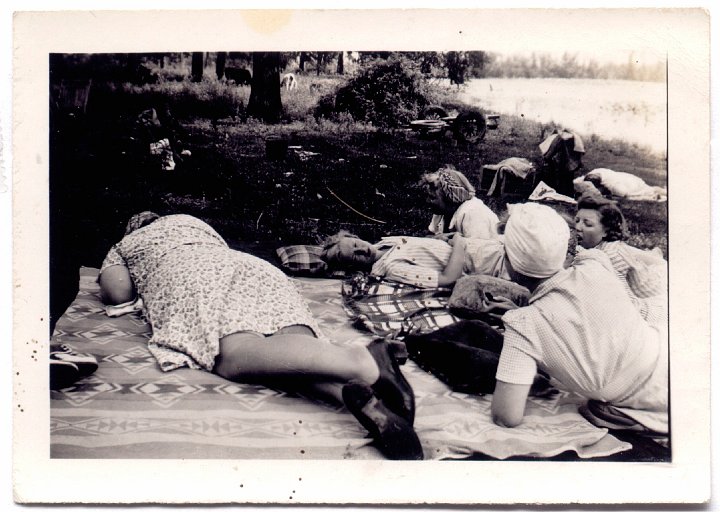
(388, 94)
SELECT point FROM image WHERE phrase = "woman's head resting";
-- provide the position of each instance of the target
(140, 220)
(446, 188)
(536, 240)
(346, 251)
(598, 219)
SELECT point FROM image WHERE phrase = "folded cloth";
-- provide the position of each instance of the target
(547, 145)
(477, 295)
(124, 308)
(520, 167)
(544, 192)
(305, 260)
(68, 366)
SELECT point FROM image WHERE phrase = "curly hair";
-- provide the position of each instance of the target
(450, 183)
(611, 217)
(330, 242)
(140, 220)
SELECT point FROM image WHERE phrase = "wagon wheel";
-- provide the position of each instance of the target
(470, 127)
(434, 112)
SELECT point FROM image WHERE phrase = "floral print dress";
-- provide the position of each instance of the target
(196, 290)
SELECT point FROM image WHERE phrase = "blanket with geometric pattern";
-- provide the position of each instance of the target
(129, 408)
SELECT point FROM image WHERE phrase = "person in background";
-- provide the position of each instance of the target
(224, 311)
(600, 224)
(455, 206)
(581, 329)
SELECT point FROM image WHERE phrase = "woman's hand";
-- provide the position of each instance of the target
(442, 236)
(456, 239)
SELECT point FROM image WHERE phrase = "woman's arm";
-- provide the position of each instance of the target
(116, 285)
(454, 268)
(508, 403)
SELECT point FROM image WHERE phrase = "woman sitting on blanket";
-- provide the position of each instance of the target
(451, 196)
(581, 329)
(600, 224)
(418, 261)
(230, 313)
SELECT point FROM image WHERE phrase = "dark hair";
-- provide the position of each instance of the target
(611, 217)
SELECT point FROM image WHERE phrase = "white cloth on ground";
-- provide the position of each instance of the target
(624, 184)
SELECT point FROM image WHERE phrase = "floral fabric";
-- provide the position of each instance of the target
(197, 290)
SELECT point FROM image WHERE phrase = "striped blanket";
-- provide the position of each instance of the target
(128, 408)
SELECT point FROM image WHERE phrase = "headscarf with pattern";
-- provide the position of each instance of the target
(452, 184)
(140, 220)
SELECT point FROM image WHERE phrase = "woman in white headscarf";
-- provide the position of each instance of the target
(580, 328)
(452, 197)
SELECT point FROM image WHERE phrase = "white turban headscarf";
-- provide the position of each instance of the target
(536, 239)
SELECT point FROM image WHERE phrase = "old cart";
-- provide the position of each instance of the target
(468, 126)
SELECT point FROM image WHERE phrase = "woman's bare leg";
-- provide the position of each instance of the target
(250, 357)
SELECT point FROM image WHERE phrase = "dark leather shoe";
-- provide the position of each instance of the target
(392, 387)
(395, 436)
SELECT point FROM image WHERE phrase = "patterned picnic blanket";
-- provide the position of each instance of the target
(387, 308)
(129, 408)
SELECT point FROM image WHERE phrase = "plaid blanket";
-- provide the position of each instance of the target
(387, 308)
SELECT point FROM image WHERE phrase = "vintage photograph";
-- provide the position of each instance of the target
(254, 235)
(360, 253)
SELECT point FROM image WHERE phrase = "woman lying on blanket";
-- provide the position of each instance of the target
(600, 224)
(418, 261)
(580, 328)
(230, 313)
(451, 196)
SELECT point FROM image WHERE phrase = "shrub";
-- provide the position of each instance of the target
(388, 94)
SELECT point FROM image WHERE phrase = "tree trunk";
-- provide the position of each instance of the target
(341, 63)
(197, 66)
(303, 60)
(264, 102)
(220, 64)
(133, 63)
(319, 62)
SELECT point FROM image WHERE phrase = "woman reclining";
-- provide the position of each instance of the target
(600, 224)
(230, 313)
(581, 329)
(418, 261)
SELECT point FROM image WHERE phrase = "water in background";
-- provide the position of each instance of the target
(632, 111)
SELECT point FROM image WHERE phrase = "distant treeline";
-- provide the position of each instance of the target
(457, 66)
(461, 65)
(568, 66)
